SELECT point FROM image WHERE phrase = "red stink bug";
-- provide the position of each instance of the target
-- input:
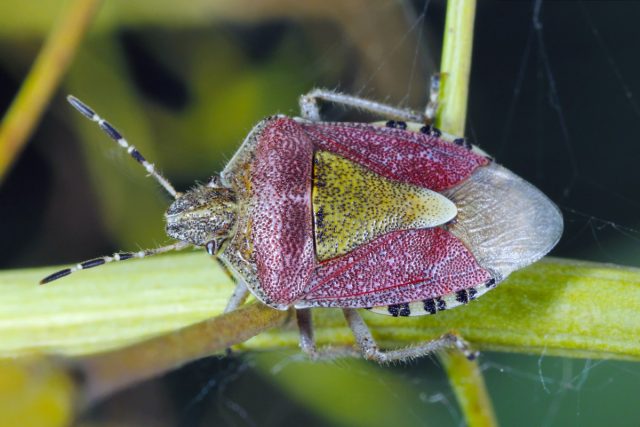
(396, 218)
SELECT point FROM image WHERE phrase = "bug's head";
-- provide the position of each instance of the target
(204, 216)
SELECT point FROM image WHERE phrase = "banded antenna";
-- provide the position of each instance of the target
(149, 167)
(120, 256)
(117, 137)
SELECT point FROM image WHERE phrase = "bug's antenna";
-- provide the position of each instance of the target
(121, 256)
(117, 137)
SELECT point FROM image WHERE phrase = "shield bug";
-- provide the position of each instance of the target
(394, 217)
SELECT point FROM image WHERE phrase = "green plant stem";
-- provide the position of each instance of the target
(108, 372)
(465, 376)
(37, 89)
(467, 382)
(455, 66)
(556, 307)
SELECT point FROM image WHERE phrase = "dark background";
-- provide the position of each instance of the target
(554, 102)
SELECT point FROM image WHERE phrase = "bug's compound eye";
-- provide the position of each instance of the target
(212, 247)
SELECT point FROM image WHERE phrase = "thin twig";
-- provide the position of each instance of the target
(465, 376)
(106, 373)
(468, 384)
(456, 66)
(43, 79)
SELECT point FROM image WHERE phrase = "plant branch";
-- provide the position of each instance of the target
(108, 372)
(465, 376)
(43, 79)
(557, 307)
(468, 384)
(455, 66)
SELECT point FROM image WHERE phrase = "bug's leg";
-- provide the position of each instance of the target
(370, 349)
(310, 109)
(307, 341)
(239, 296)
(240, 293)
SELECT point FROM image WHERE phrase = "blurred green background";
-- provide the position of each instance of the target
(185, 82)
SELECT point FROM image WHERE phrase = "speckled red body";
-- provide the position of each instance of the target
(273, 249)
